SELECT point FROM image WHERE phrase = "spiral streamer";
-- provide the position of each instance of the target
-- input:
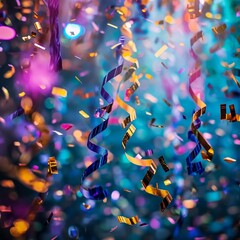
(56, 60)
(167, 198)
(194, 135)
(98, 193)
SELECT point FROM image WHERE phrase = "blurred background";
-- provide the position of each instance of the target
(204, 206)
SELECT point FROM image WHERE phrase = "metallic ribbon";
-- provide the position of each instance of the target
(167, 198)
(130, 221)
(55, 52)
(194, 134)
(98, 193)
(232, 116)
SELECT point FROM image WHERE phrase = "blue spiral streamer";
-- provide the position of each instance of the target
(98, 193)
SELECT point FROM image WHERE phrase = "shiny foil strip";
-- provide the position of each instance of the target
(98, 193)
(129, 221)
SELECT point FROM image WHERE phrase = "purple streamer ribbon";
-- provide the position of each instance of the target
(55, 52)
(98, 193)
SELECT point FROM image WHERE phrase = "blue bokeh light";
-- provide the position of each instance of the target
(73, 31)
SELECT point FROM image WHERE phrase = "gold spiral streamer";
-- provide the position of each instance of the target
(208, 155)
(127, 51)
(167, 198)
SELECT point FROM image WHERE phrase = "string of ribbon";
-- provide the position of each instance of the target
(98, 193)
(167, 198)
(56, 60)
(194, 134)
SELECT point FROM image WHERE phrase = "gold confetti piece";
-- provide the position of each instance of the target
(111, 25)
(38, 27)
(229, 160)
(232, 116)
(26, 38)
(6, 93)
(161, 50)
(59, 92)
(126, 190)
(169, 19)
(39, 46)
(52, 166)
(21, 94)
(93, 54)
(9, 73)
(148, 76)
(219, 29)
(167, 182)
(86, 206)
(148, 113)
(130, 221)
(84, 114)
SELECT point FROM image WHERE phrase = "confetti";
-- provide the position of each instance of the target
(52, 166)
(9, 73)
(59, 92)
(163, 164)
(219, 29)
(229, 160)
(84, 114)
(6, 93)
(161, 50)
(111, 25)
(39, 46)
(129, 221)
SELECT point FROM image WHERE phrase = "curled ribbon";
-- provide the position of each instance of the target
(98, 193)
(56, 60)
(167, 198)
(194, 134)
